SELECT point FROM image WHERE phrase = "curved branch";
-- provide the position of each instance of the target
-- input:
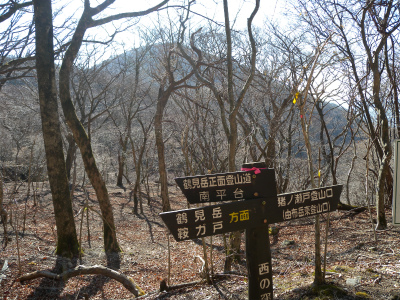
(126, 281)
(252, 60)
(13, 9)
(125, 15)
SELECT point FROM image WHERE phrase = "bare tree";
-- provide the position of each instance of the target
(3, 212)
(67, 242)
(86, 22)
(201, 136)
(230, 97)
(365, 26)
(131, 93)
(172, 73)
(16, 52)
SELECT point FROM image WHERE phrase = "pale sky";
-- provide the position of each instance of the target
(213, 9)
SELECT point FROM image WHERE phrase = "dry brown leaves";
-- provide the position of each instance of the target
(351, 254)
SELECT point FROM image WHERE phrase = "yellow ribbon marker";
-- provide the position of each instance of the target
(295, 98)
(319, 173)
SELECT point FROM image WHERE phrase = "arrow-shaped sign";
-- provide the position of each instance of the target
(227, 217)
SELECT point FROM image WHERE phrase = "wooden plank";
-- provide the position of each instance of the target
(227, 217)
(258, 257)
(214, 219)
(396, 185)
(258, 183)
(290, 206)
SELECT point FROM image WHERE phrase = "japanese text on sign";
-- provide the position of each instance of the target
(216, 181)
(221, 194)
(202, 222)
(264, 269)
(305, 211)
(301, 197)
(242, 215)
(181, 218)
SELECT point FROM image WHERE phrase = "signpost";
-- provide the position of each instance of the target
(253, 184)
(256, 206)
(396, 185)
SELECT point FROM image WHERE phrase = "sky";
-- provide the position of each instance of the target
(239, 10)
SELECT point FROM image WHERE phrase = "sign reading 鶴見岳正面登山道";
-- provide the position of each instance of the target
(228, 186)
(254, 204)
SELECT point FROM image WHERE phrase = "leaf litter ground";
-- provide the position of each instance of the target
(357, 267)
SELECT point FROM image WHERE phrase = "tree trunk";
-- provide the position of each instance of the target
(161, 103)
(380, 194)
(83, 142)
(271, 144)
(3, 212)
(120, 174)
(318, 275)
(67, 241)
(384, 176)
(82, 139)
(383, 145)
(71, 153)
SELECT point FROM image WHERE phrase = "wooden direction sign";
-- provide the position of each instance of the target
(257, 206)
(258, 261)
(228, 186)
(237, 215)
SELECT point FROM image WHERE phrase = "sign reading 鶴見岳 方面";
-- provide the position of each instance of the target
(253, 205)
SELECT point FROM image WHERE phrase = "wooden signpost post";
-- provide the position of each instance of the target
(256, 205)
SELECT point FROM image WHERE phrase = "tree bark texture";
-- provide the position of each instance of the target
(71, 154)
(3, 212)
(121, 164)
(158, 128)
(82, 139)
(67, 242)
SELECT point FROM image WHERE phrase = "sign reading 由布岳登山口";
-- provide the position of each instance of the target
(254, 204)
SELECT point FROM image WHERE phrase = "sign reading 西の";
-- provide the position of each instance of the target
(253, 205)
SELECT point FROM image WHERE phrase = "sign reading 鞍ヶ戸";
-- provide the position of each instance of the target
(257, 204)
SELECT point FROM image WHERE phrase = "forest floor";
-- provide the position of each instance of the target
(356, 268)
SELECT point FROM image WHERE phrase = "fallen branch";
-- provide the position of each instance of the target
(164, 287)
(126, 281)
(358, 209)
(351, 210)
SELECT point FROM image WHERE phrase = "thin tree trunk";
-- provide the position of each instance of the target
(30, 170)
(120, 174)
(71, 154)
(161, 103)
(3, 212)
(83, 141)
